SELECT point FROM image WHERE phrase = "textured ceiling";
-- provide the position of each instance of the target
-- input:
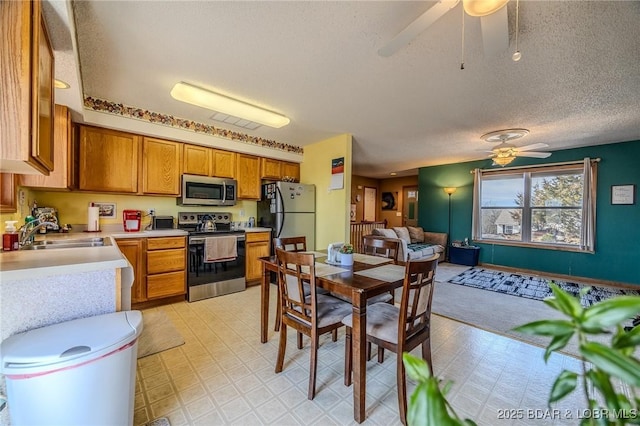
(577, 84)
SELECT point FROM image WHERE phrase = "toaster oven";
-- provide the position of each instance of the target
(162, 222)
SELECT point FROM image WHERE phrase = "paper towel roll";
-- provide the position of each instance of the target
(93, 219)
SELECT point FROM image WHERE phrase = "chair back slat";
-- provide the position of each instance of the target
(295, 269)
(294, 244)
(377, 246)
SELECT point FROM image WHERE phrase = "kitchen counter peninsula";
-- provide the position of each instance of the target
(44, 287)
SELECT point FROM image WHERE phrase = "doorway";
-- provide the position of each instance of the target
(370, 197)
(410, 206)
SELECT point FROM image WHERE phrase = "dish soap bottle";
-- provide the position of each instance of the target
(10, 236)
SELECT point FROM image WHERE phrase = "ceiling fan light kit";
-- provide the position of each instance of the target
(204, 98)
(504, 153)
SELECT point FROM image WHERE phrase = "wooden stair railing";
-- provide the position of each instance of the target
(360, 229)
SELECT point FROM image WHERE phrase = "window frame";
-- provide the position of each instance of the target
(526, 172)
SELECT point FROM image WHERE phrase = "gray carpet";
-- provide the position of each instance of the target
(495, 312)
(158, 333)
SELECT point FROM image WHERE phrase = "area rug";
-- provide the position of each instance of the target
(158, 333)
(532, 287)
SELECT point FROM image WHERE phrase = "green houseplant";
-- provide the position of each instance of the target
(601, 364)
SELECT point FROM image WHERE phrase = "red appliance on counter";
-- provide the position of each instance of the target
(131, 220)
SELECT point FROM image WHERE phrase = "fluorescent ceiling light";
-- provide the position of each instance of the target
(482, 7)
(59, 84)
(216, 102)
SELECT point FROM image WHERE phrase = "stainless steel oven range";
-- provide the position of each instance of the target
(216, 260)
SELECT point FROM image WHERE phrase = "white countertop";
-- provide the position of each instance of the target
(257, 229)
(22, 264)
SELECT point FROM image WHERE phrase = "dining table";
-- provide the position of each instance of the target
(369, 276)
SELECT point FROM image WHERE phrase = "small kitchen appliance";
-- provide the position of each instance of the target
(207, 191)
(162, 222)
(131, 220)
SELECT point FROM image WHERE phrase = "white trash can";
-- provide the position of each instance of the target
(79, 372)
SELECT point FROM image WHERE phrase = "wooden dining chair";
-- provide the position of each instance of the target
(377, 246)
(381, 247)
(401, 329)
(313, 314)
(295, 244)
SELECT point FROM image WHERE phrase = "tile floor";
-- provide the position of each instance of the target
(223, 375)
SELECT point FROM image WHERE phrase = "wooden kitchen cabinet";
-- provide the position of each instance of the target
(257, 245)
(161, 167)
(108, 160)
(27, 101)
(133, 249)
(290, 171)
(223, 164)
(197, 160)
(8, 202)
(248, 176)
(166, 267)
(270, 169)
(279, 170)
(63, 175)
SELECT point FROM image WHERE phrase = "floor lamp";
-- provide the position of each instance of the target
(449, 191)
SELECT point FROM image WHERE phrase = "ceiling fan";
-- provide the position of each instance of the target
(493, 21)
(504, 153)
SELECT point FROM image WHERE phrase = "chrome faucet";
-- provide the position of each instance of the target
(25, 233)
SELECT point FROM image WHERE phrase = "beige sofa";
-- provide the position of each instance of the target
(415, 243)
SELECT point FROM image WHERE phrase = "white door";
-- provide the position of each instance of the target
(370, 196)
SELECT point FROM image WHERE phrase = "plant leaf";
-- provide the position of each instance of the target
(566, 303)
(613, 362)
(428, 406)
(565, 383)
(415, 367)
(602, 382)
(611, 311)
(557, 343)
(627, 339)
(547, 328)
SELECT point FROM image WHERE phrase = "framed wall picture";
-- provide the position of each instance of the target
(107, 210)
(389, 201)
(623, 194)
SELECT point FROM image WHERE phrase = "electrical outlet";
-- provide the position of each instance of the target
(151, 212)
(241, 213)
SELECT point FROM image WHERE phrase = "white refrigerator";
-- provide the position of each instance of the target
(289, 209)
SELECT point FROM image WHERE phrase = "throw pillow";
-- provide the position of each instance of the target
(383, 232)
(402, 233)
(416, 234)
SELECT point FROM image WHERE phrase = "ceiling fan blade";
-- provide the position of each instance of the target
(533, 154)
(532, 147)
(423, 22)
(495, 32)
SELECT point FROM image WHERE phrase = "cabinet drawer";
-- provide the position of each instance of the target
(165, 243)
(252, 237)
(163, 285)
(166, 261)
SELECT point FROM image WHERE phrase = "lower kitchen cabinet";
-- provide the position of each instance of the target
(166, 266)
(159, 264)
(258, 244)
(134, 250)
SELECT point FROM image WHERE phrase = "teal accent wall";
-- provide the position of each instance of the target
(617, 251)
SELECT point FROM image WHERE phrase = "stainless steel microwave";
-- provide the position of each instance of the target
(207, 191)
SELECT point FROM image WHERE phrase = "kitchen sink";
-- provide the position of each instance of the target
(58, 244)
